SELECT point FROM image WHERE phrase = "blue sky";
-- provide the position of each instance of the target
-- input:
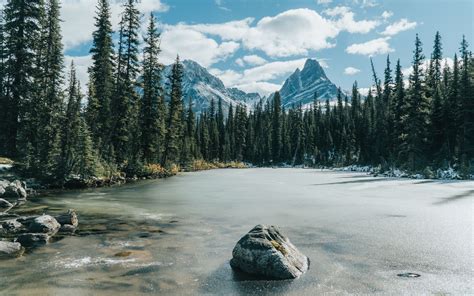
(256, 44)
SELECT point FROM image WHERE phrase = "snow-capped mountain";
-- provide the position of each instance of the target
(202, 87)
(302, 85)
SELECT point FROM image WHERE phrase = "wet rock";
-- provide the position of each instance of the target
(67, 228)
(5, 204)
(44, 224)
(68, 218)
(29, 240)
(10, 250)
(12, 226)
(76, 182)
(26, 220)
(123, 254)
(266, 252)
(2, 190)
(15, 190)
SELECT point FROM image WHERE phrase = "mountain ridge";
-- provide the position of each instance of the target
(300, 87)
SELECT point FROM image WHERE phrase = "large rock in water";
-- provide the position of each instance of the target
(266, 252)
(15, 190)
(69, 218)
(29, 240)
(10, 250)
(44, 224)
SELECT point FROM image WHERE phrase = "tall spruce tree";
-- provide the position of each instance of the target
(174, 126)
(22, 27)
(49, 97)
(417, 111)
(466, 112)
(276, 128)
(125, 102)
(3, 83)
(101, 80)
(153, 105)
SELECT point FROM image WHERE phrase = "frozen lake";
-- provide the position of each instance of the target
(175, 236)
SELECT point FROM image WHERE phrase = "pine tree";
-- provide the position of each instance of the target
(77, 155)
(433, 91)
(399, 111)
(434, 70)
(22, 33)
(386, 111)
(466, 112)
(213, 132)
(101, 80)
(3, 83)
(174, 122)
(416, 117)
(153, 105)
(125, 103)
(221, 128)
(276, 128)
(49, 97)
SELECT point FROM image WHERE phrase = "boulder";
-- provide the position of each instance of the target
(12, 226)
(68, 218)
(10, 250)
(67, 228)
(265, 252)
(15, 190)
(5, 204)
(44, 224)
(29, 240)
(2, 190)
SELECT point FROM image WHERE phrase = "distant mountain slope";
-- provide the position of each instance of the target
(202, 87)
(301, 86)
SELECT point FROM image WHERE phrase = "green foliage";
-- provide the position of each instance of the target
(126, 127)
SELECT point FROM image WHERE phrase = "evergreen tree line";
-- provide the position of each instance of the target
(129, 121)
(425, 123)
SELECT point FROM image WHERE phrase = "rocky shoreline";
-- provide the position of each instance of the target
(22, 232)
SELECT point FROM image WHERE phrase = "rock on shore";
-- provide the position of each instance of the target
(10, 250)
(266, 252)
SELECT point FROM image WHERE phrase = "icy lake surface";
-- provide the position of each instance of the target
(175, 236)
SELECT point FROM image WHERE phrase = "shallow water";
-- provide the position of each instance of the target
(175, 236)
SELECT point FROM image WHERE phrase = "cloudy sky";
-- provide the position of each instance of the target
(256, 44)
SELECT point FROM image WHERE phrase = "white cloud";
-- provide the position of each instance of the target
(370, 48)
(351, 71)
(397, 27)
(324, 1)
(323, 63)
(261, 87)
(251, 60)
(260, 78)
(220, 4)
(366, 3)
(337, 11)
(233, 30)
(78, 16)
(191, 44)
(387, 14)
(346, 21)
(293, 32)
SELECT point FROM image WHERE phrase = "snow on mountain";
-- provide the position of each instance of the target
(302, 85)
(202, 87)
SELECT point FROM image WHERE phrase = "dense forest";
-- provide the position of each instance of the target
(127, 123)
